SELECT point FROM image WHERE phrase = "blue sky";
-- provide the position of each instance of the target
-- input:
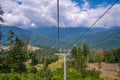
(73, 13)
(95, 3)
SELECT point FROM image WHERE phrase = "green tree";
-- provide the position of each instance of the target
(74, 51)
(11, 37)
(80, 55)
(33, 57)
(17, 54)
(1, 13)
(92, 57)
(73, 56)
(0, 33)
(85, 51)
(99, 57)
(109, 57)
(47, 75)
(112, 55)
(80, 60)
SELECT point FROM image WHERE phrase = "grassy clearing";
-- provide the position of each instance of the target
(38, 66)
(57, 64)
(53, 66)
(28, 63)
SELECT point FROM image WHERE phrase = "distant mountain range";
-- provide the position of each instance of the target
(64, 32)
(47, 36)
(35, 38)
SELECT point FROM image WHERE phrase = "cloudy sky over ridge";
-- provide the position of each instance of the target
(73, 13)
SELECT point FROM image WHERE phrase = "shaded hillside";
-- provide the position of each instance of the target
(96, 37)
(51, 32)
(18, 32)
(35, 38)
(106, 39)
(25, 34)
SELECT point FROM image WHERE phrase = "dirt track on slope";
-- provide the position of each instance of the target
(108, 71)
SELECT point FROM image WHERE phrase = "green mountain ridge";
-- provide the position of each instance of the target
(106, 39)
(103, 38)
(35, 38)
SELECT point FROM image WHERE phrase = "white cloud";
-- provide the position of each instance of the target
(110, 19)
(32, 13)
(33, 25)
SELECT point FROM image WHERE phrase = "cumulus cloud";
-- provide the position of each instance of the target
(42, 13)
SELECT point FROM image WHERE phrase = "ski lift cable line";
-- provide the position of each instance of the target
(94, 23)
(58, 25)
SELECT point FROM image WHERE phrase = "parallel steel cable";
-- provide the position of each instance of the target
(108, 37)
(58, 25)
(94, 22)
